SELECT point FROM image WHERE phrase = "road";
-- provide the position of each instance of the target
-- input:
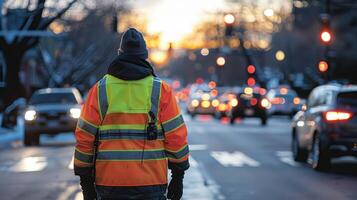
(244, 161)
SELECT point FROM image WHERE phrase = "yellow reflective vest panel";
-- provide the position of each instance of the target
(117, 113)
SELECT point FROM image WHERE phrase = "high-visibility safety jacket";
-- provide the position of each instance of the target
(116, 111)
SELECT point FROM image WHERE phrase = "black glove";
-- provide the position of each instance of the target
(175, 189)
(87, 184)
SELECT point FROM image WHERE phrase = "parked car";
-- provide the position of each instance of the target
(284, 101)
(249, 103)
(328, 126)
(51, 111)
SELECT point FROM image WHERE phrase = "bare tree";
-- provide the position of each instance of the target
(35, 18)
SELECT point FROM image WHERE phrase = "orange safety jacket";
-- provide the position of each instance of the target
(116, 112)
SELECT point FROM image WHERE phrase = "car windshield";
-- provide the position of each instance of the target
(348, 99)
(53, 98)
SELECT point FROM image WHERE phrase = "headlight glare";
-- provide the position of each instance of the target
(75, 112)
(30, 115)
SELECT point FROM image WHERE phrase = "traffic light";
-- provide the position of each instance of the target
(251, 81)
(229, 30)
(229, 20)
(326, 36)
(251, 69)
(326, 32)
(323, 66)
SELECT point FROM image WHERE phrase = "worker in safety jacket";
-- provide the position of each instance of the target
(131, 132)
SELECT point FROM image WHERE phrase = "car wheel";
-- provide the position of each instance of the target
(31, 138)
(264, 121)
(319, 158)
(299, 154)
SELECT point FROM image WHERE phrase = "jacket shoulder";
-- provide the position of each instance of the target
(165, 88)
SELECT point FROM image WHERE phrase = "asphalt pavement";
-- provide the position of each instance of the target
(243, 161)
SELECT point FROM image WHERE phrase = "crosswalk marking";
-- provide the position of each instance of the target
(197, 147)
(235, 159)
(287, 158)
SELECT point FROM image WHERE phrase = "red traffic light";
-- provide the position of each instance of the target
(251, 81)
(326, 36)
(251, 69)
(323, 66)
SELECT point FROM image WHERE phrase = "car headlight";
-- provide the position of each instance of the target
(75, 112)
(195, 103)
(30, 115)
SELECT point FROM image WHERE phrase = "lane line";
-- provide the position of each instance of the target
(287, 158)
(68, 192)
(234, 159)
(197, 147)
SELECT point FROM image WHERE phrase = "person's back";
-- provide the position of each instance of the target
(140, 132)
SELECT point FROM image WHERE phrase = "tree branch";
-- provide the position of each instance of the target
(33, 25)
(47, 22)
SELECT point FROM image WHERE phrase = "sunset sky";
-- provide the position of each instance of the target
(176, 19)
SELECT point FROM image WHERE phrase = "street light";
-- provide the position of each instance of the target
(280, 55)
(269, 12)
(229, 19)
(221, 61)
(204, 52)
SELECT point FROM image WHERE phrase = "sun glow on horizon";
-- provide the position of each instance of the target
(173, 20)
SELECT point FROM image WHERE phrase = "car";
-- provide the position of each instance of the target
(284, 101)
(51, 111)
(225, 104)
(202, 100)
(327, 127)
(249, 103)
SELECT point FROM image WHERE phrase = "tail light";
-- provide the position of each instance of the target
(253, 102)
(337, 115)
(222, 107)
(278, 100)
(215, 103)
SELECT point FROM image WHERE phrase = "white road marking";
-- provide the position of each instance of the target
(79, 196)
(235, 159)
(68, 192)
(30, 164)
(193, 162)
(197, 147)
(287, 158)
(70, 165)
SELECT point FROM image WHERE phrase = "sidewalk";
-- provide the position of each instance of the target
(198, 185)
(9, 135)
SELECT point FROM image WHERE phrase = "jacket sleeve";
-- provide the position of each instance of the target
(87, 128)
(175, 130)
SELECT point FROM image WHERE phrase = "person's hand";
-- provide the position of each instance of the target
(87, 184)
(175, 189)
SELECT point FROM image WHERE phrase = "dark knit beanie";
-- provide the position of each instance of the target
(133, 44)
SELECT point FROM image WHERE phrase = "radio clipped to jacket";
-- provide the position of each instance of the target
(151, 130)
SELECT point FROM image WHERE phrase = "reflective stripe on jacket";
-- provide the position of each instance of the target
(117, 110)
